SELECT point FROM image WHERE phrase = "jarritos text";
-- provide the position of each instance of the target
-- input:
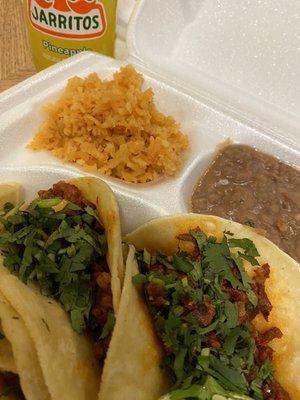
(70, 19)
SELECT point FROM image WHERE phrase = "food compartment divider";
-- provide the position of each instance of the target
(207, 126)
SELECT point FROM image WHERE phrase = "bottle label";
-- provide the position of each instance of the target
(70, 19)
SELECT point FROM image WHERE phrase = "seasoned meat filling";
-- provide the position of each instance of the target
(264, 304)
(273, 391)
(103, 305)
(66, 191)
(251, 187)
(10, 385)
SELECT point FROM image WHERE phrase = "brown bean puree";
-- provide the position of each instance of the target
(254, 188)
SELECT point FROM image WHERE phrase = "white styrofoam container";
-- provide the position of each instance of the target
(208, 67)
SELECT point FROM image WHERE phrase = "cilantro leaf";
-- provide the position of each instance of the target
(7, 207)
(232, 375)
(48, 203)
(232, 315)
(231, 341)
(179, 364)
(77, 319)
(200, 237)
(249, 247)
(108, 327)
(181, 263)
(146, 257)
(139, 279)
(216, 255)
(245, 279)
(266, 370)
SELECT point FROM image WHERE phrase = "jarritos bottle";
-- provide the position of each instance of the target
(61, 28)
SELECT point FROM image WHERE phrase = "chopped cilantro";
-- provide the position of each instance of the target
(146, 257)
(181, 263)
(245, 278)
(208, 350)
(139, 278)
(249, 247)
(231, 312)
(47, 203)
(7, 207)
(56, 249)
(108, 327)
(266, 370)
(201, 239)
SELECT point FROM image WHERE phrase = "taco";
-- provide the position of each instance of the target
(219, 304)
(61, 274)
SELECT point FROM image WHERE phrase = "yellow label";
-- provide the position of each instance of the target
(61, 28)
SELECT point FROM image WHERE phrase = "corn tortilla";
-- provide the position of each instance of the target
(24, 352)
(132, 369)
(7, 362)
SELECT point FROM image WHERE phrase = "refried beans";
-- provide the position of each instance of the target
(254, 188)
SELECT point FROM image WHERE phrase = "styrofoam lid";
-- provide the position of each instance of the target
(246, 53)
